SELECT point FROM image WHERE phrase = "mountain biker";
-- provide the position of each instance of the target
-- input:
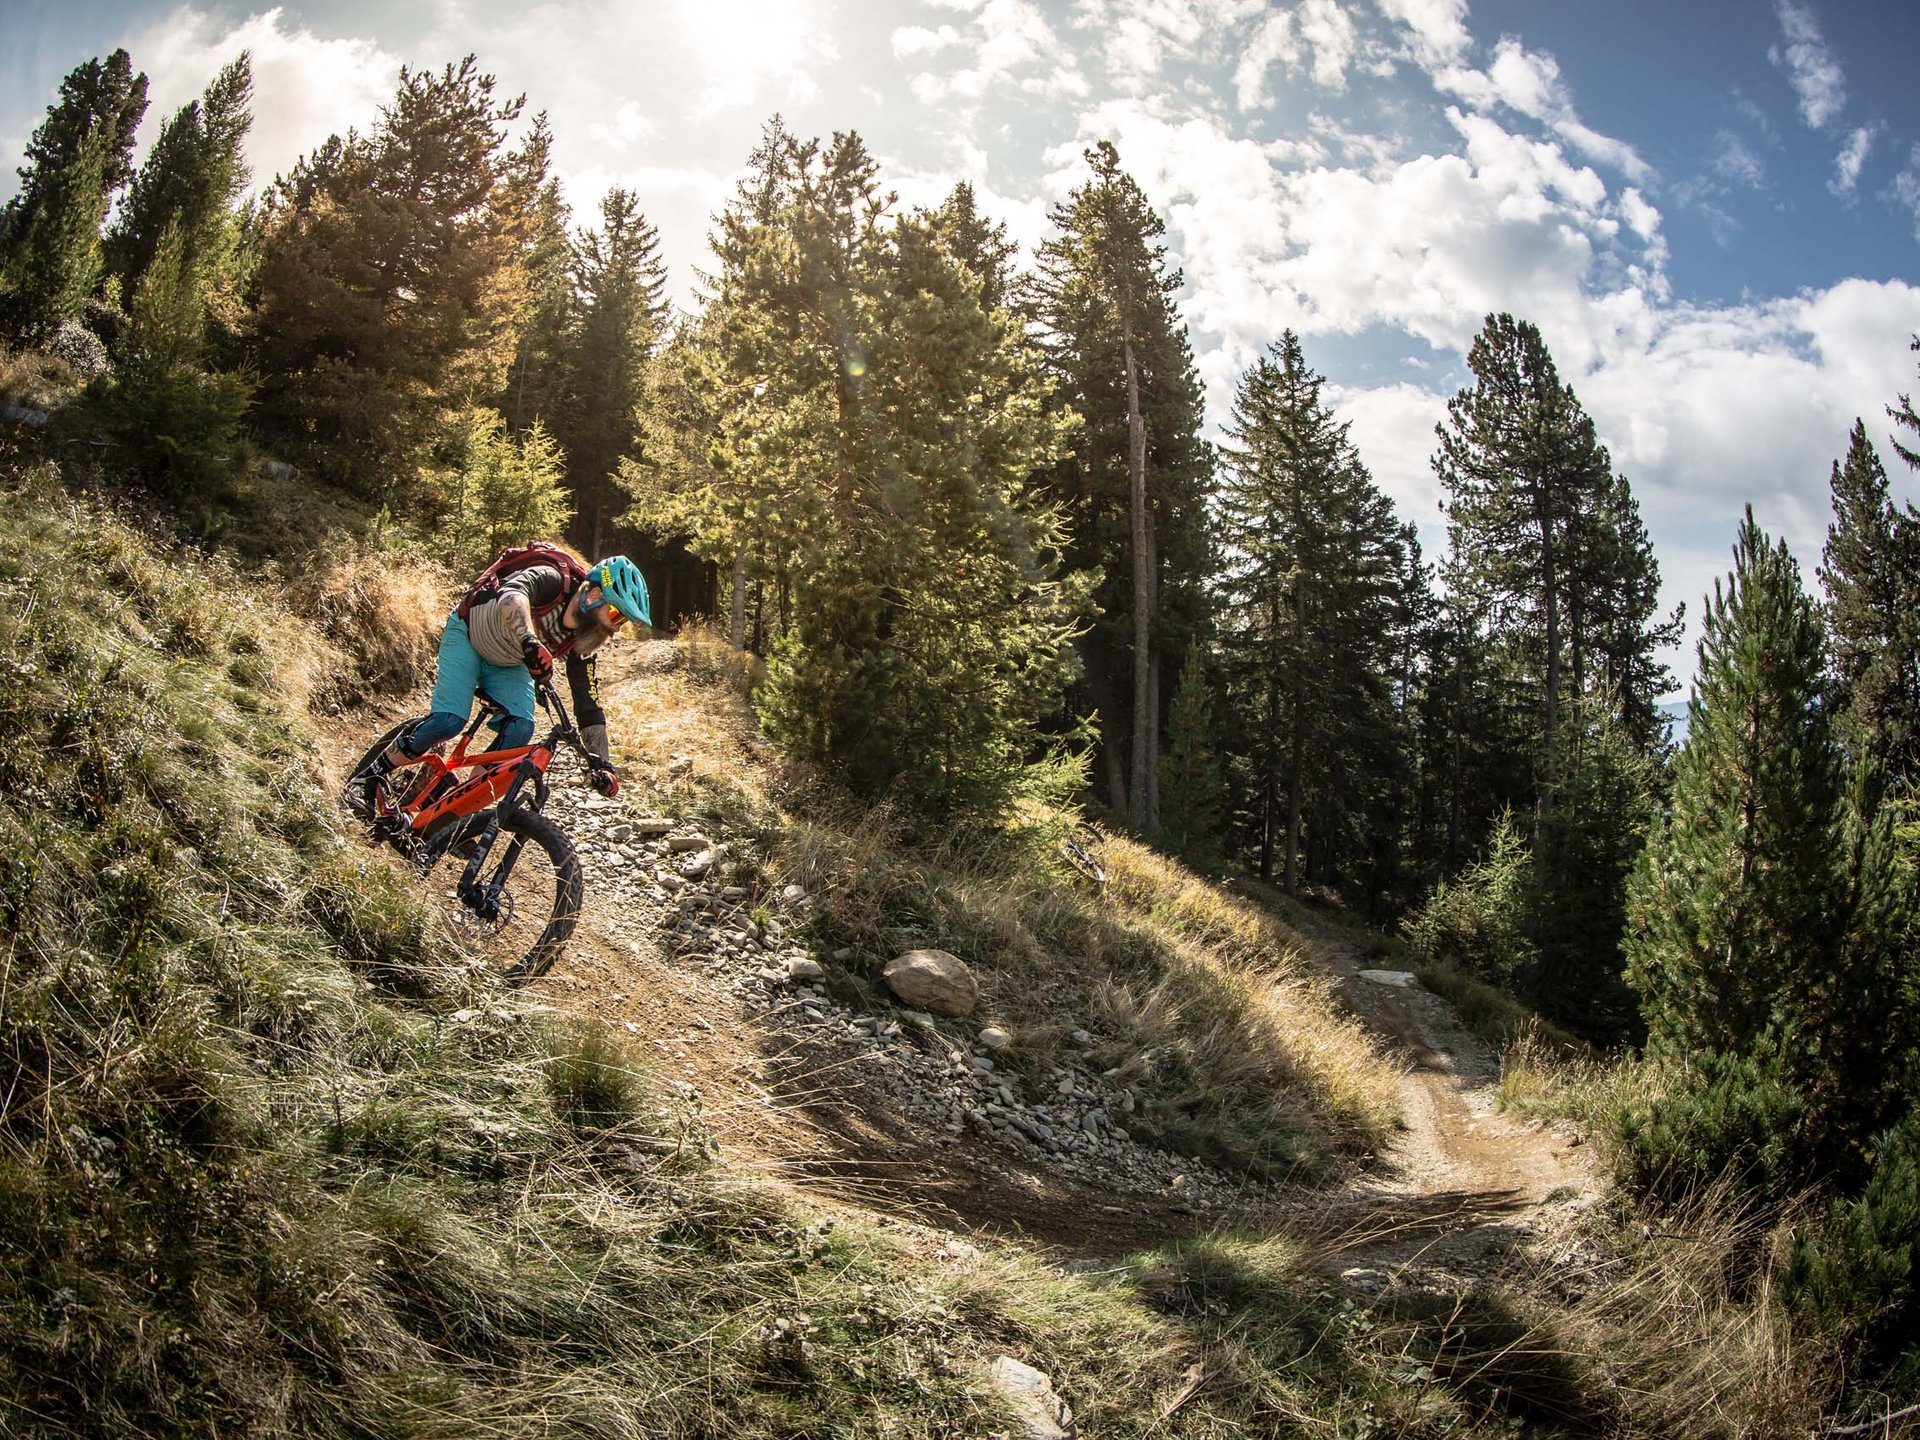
(511, 635)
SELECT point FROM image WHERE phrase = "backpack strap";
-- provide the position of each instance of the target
(515, 559)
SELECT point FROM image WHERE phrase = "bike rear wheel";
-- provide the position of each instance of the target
(532, 884)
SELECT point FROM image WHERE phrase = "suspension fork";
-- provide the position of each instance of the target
(484, 898)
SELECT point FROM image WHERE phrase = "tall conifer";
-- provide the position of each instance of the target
(387, 285)
(192, 178)
(1308, 624)
(1135, 488)
(873, 429)
(1737, 908)
(50, 258)
(620, 284)
(1871, 572)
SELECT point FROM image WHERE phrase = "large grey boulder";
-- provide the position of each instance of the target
(934, 981)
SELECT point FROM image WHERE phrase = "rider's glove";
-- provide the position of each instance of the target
(601, 776)
(539, 659)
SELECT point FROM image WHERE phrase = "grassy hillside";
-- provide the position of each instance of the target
(1209, 1007)
(271, 1162)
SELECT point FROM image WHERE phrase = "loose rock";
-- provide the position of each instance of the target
(1028, 1393)
(933, 980)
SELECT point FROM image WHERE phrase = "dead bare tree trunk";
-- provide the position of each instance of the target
(1142, 576)
(1153, 675)
(737, 631)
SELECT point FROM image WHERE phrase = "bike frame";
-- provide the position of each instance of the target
(438, 801)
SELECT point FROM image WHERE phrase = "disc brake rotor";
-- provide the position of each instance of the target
(476, 926)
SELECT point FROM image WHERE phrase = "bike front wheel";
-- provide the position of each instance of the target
(522, 909)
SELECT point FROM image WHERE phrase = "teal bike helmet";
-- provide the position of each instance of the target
(621, 583)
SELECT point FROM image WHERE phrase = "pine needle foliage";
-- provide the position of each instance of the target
(191, 180)
(1870, 570)
(501, 489)
(1133, 489)
(1313, 556)
(874, 430)
(1732, 912)
(387, 287)
(50, 255)
(1768, 917)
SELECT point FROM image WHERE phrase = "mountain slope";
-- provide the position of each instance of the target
(272, 1161)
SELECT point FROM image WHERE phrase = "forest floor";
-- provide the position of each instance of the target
(855, 1111)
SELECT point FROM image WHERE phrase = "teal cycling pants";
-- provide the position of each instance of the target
(462, 673)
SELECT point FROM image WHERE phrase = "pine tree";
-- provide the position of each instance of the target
(1192, 782)
(1135, 489)
(1521, 469)
(874, 429)
(1548, 549)
(173, 411)
(387, 281)
(1771, 917)
(1552, 588)
(545, 319)
(713, 394)
(620, 282)
(1871, 571)
(979, 244)
(1588, 849)
(192, 178)
(1308, 623)
(1736, 910)
(503, 489)
(1903, 416)
(50, 260)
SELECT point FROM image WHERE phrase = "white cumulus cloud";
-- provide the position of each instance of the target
(1811, 68)
(1852, 159)
(1529, 83)
(1436, 29)
(1273, 42)
(1009, 43)
(305, 87)
(1324, 25)
(919, 40)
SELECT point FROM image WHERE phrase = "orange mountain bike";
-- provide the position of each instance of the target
(518, 898)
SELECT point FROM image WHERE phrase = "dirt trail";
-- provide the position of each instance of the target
(1462, 1184)
(791, 1095)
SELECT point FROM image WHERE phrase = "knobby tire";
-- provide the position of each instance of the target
(569, 886)
(543, 837)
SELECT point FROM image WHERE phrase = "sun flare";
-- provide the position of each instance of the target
(748, 37)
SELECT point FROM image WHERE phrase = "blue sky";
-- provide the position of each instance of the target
(1710, 209)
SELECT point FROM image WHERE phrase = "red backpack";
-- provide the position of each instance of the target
(516, 559)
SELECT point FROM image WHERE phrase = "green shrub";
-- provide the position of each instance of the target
(1726, 1116)
(1479, 922)
(1856, 1277)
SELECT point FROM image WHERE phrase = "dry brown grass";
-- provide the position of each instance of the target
(379, 616)
(34, 380)
(1540, 1078)
(1678, 1315)
(687, 735)
(1276, 1021)
(1209, 1007)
